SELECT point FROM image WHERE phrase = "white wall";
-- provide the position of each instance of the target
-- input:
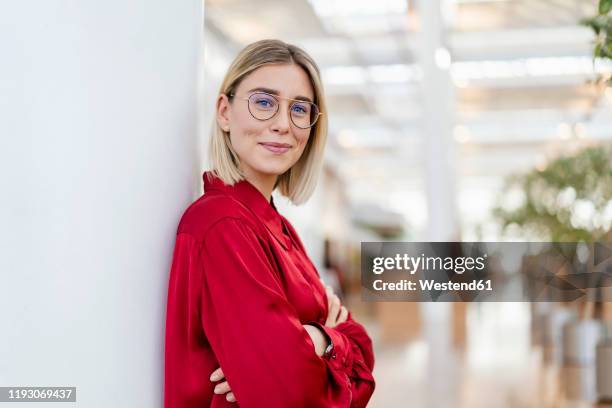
(98, 158)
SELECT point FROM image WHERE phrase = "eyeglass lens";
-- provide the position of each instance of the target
(264, 106)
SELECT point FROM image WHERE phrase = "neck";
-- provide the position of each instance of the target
(262, 182)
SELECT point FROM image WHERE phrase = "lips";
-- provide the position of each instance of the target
(277, 148)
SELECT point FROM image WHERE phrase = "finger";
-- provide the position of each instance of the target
(329, 292)
(222, 388)
(343, 315)
(334, 309)
(217, 375)
(230, 397)
(336, 305)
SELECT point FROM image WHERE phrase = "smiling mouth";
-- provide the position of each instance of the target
(277, 148)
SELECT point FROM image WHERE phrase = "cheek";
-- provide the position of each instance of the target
(245, 127)
(302, 141)
(244, 135)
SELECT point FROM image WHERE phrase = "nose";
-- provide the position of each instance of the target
(281, 121)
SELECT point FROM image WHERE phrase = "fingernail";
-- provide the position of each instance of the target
(214, 377)
(216, 391)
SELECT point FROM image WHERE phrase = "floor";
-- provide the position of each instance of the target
(496, 368)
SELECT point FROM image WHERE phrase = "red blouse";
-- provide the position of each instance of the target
(241, 287)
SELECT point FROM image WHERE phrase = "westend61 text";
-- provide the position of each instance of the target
(428, 284)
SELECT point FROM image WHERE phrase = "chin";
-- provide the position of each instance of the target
(275, 169)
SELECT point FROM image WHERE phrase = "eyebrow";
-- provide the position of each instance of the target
(275, 92)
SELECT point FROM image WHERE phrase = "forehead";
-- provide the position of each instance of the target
(289, 80)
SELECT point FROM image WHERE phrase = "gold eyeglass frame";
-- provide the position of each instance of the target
(319, 113)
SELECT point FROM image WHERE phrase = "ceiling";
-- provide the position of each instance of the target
(517, 89)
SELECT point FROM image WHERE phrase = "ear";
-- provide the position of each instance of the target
(223, 107)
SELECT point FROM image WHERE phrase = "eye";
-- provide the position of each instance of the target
(301, 108)
(264, 102)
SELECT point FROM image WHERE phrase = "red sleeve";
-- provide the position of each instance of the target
(266, 354)
(188, 362)
(353, 350)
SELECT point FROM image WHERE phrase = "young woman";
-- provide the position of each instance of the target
(248, 321)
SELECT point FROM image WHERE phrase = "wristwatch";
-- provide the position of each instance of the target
(329, 350)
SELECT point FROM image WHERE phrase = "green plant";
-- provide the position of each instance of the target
(602, 26)
(568, 201)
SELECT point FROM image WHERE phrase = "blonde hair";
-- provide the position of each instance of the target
(299, 181)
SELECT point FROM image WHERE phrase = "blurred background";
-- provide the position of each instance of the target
(451, 120)
(464, 120)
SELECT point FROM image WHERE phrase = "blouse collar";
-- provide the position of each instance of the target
(252, 199)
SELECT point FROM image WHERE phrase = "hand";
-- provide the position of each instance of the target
(318, 338)
(336, 313)
(224, 387)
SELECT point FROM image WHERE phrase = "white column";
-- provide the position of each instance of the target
(438, 110)
(439, 166)
(98, 158)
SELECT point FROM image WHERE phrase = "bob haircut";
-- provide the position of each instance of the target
(299, 181)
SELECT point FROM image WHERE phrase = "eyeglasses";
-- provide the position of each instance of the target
(264, 106)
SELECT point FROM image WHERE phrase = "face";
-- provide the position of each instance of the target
(266, 148)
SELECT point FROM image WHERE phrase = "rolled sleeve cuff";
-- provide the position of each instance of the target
(340, 356)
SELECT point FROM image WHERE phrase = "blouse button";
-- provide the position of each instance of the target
(334, 356)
